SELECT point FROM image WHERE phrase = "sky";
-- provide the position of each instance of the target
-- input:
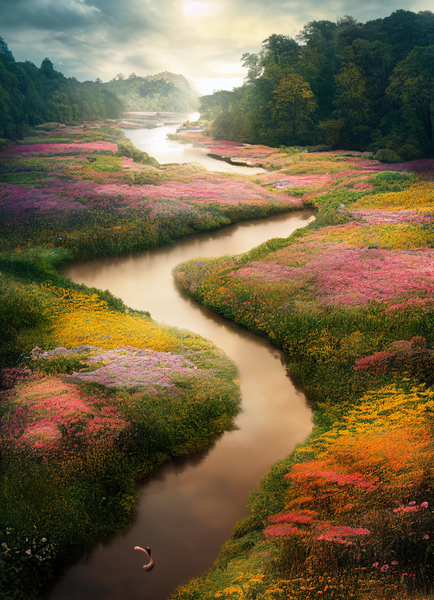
(201, 39)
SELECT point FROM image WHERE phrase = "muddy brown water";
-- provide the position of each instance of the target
(188, 510)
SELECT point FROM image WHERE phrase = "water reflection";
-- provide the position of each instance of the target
(155, 143)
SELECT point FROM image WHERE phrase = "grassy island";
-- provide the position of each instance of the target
(349, 514)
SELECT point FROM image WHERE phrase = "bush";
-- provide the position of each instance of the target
(387, 155)
(139, 156)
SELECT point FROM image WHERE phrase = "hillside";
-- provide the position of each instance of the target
(162, 92)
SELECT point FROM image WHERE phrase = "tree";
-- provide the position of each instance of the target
(352, 106)
(412, 87)
(212, 105)
(4, 50)
(280, 50)
(293, 107)
(252, 62)
(47, 69)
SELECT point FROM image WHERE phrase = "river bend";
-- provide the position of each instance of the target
(189, 509)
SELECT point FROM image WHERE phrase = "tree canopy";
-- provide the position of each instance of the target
(358, 86)
(30, 96)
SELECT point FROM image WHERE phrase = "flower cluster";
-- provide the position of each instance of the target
(341, 533)
(411, 507)
(131, 367)
(74, 148)
(305, 470)
(49, 413)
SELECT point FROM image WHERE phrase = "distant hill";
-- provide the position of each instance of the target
(162, 92)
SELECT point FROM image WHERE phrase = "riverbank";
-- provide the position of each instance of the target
(96, 395)
(73, 197)
(349, 299)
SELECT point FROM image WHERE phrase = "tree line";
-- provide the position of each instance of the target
(341, 85)
(30, 96)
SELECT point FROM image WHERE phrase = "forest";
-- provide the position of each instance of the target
(31, 96)
(359, 86)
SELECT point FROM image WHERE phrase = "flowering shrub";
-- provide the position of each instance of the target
(306, 470)
(127, 366)
(11, 376)
(50, 413)
(412, 357)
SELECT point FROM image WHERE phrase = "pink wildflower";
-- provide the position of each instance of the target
(280, 530)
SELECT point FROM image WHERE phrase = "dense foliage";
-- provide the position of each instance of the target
(162, 92)
(344, 85)
(31, 96)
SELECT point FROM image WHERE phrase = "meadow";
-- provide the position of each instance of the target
(94, 194)
(95, 396)
(99, 397)
(349, 514)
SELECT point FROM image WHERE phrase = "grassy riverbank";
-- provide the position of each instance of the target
(93, 193)
(94, 395)
(349, 514)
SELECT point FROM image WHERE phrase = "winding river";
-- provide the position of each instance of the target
(189, 509)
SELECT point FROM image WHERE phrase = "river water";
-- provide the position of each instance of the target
(155, 143)
(189, 509)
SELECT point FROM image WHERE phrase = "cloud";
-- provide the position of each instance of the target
(47, 14)
(203, 39)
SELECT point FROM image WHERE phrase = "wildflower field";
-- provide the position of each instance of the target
(94, 395)
(349, 514)
(99, 396)
(93, 193)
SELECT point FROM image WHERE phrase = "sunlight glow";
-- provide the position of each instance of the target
(194, 8)
(194, 117)
(233, 69)
(208, 86)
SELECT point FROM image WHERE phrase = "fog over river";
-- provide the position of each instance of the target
(189, 509)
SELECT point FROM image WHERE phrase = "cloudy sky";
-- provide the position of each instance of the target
(202, 39)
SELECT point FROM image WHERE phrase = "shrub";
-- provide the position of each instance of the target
(387, 155)
(139, 156)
